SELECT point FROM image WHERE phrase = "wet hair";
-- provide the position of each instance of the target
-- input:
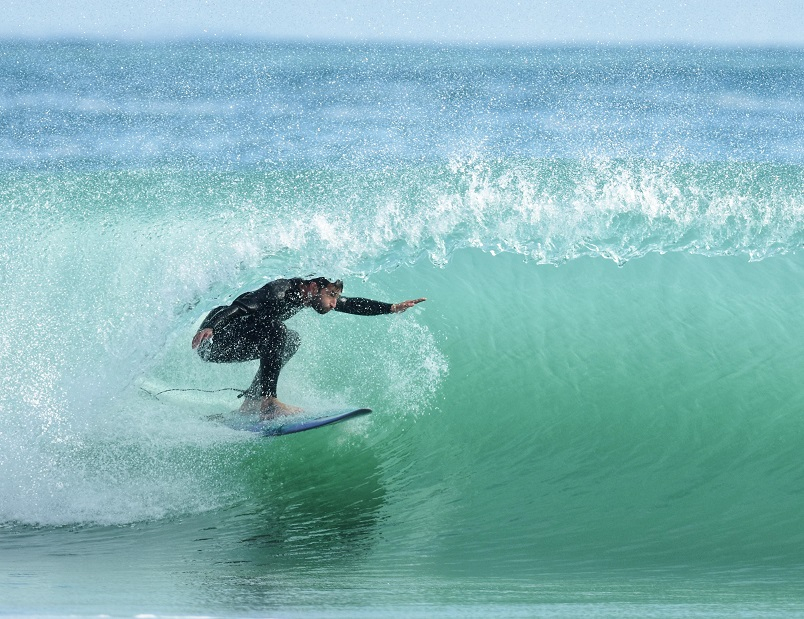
(323, 282)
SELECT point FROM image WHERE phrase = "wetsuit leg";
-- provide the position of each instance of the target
(271, 342)
(279, 344)
(239, 341)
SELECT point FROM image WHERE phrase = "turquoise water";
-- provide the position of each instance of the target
(596, 413)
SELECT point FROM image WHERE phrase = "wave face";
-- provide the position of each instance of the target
(663, 368)
(604, 376)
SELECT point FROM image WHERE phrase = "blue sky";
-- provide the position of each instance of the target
(718, 22)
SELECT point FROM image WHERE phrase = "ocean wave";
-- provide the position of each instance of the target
(620, 401)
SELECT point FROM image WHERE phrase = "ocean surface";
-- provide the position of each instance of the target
(598, 411)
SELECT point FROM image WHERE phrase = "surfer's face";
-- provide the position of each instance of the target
(325, 299)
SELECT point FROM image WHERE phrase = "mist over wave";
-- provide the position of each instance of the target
(602, 391)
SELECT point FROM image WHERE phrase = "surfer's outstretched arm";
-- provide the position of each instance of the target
(398, 308)
(367, 307)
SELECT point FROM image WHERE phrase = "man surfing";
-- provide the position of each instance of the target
(252, 327)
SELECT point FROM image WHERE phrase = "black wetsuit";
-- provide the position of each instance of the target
(252, 327)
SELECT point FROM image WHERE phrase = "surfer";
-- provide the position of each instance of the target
(252, 327)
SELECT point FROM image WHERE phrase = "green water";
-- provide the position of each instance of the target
(582, 440)
(597, 411)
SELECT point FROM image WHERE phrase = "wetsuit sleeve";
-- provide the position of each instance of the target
(362, 307)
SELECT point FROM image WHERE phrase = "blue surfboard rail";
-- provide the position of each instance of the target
(271, 427)
(301, 426)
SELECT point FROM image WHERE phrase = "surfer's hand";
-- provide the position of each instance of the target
(203, 334)
(398, 308)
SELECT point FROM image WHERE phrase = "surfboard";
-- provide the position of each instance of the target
(280, 426)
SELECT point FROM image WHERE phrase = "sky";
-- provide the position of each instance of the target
(707, 22)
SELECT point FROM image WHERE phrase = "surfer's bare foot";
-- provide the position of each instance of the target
(268, 407)
(271, 407)
(250, 405)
